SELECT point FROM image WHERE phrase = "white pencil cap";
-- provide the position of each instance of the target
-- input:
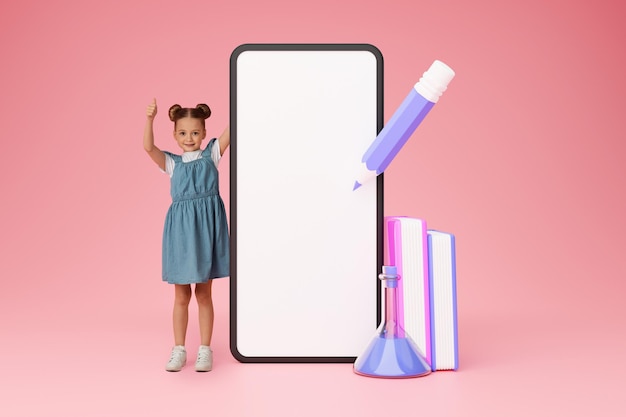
(434, 81)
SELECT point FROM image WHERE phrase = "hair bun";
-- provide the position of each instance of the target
(173, 110)
(205, 109)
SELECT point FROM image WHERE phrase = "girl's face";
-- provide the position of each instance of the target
(189, 133)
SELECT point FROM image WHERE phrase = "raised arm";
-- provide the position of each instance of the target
(155, 153)
(224, 140)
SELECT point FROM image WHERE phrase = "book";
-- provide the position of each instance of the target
(407, 250)
(443, 305)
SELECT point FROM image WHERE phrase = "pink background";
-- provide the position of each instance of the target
(523, 159)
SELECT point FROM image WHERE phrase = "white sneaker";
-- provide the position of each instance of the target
(204, 362)
(177, 360)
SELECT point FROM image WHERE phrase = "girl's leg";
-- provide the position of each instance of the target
(205, 312)
(182, 295)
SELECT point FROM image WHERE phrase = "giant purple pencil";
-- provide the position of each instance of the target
(404, 121)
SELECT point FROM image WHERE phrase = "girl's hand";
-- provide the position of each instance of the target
(151, 111)
(148, 137)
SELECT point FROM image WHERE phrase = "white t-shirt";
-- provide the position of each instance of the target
(170, 164)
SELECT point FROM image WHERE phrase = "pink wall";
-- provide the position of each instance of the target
(523, 159)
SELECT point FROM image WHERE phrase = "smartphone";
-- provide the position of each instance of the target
(306, 249)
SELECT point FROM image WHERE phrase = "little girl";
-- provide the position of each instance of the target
(195, 237)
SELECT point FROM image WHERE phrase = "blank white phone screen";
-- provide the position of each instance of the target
(306, 249)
